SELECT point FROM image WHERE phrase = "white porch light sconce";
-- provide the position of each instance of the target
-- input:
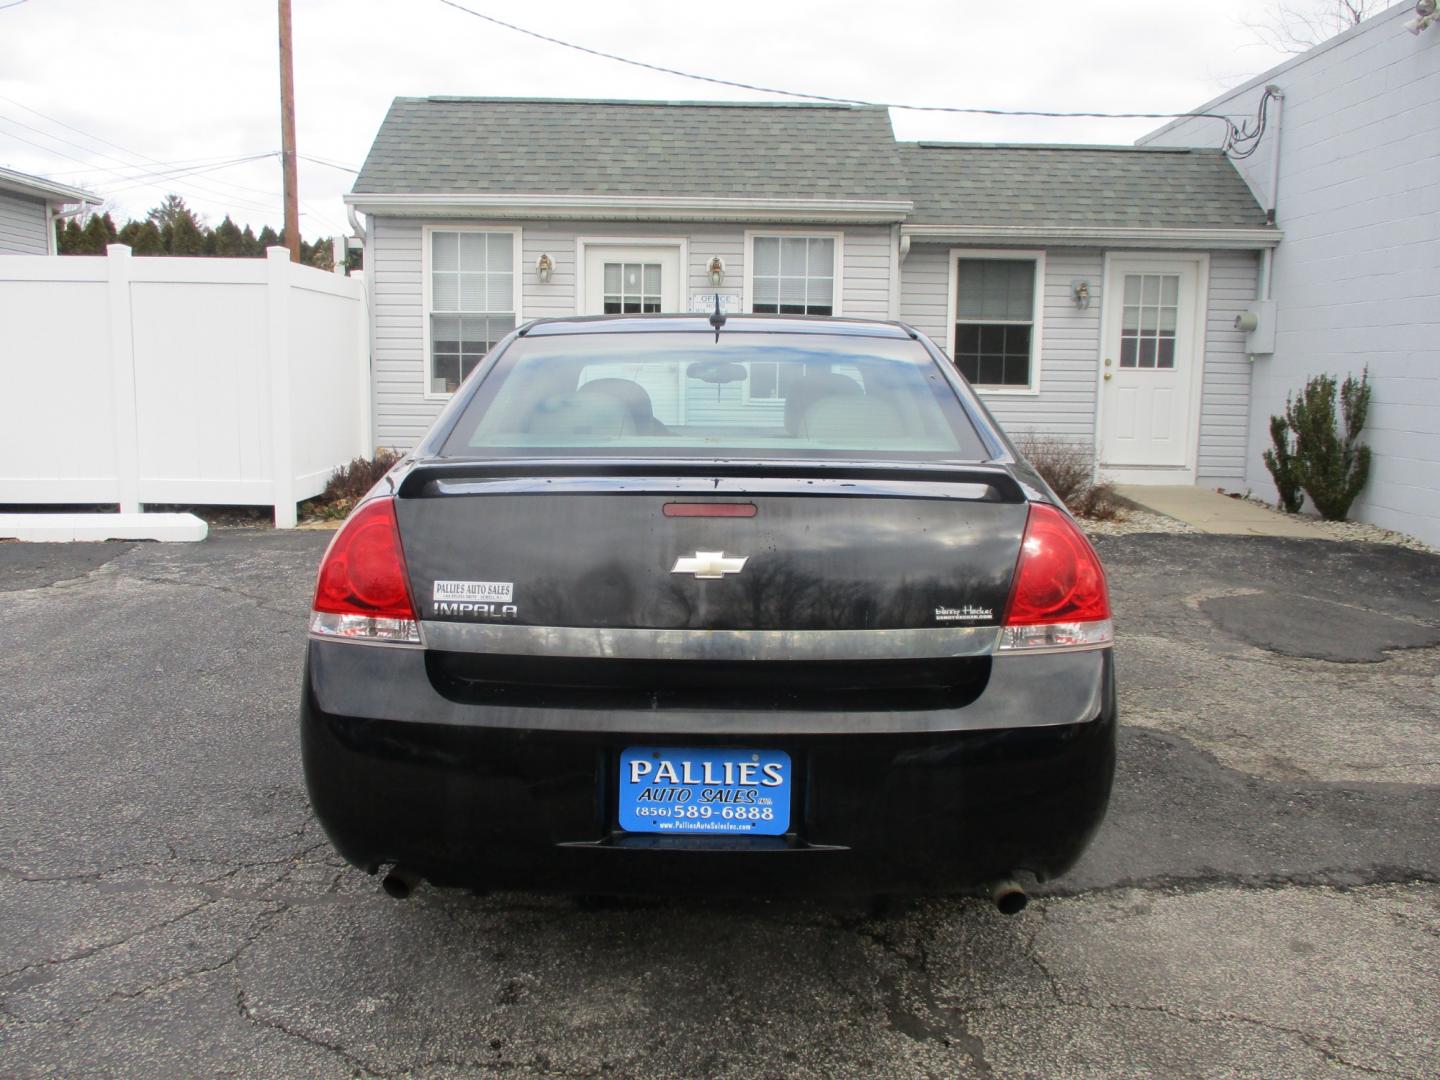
(1080, 293)
(544, 267)
(716, 270)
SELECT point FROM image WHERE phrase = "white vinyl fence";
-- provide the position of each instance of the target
(172, 380)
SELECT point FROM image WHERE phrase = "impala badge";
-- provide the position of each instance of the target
(709, 564)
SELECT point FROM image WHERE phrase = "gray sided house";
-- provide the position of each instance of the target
(28, 208)
(1090, 293)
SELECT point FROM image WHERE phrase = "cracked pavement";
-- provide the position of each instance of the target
(1264, 899)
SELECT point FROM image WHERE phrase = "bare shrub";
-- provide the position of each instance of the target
(350, 483)
(1069, 468)
(1098, 503)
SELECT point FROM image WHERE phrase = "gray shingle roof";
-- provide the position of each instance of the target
(557, 147)
(529, 146)
(1076, 187)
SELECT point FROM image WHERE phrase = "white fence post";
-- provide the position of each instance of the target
(367, 370)
(282, 438)
(122, 374)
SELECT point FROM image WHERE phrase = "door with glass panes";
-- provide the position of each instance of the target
(631, 280)
(1149, 362)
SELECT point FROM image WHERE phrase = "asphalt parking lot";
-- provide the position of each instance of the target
(1263, 901)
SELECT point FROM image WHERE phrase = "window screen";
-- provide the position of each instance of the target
(793, 275)
(995, 321)
(472, 301)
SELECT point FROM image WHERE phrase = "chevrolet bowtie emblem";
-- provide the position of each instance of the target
(709, 564)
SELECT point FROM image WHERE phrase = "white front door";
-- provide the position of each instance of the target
(631, 280)
(1150, 363)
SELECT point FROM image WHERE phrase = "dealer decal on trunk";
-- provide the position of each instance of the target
(475, 599)
(968, 613)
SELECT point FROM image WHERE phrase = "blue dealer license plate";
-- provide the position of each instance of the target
(670, 790)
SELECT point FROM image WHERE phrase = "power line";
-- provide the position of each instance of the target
(169, 169)
(13, 3)
(133, 153)
(716, 81)
(93, 166)
(183, 163)
(322, 161)
(96, 167)
(196, 171)
(312, 212)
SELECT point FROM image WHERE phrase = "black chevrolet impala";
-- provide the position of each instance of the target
(660, 604)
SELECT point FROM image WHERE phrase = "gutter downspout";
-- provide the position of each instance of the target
(1267, 257)
(355, 225)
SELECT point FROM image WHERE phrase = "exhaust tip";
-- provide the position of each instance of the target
(1009, 897)
(400, 882)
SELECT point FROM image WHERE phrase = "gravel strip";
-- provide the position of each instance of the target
(1359, 531)
(1373, 534)
(1136, 521)
(1143, 521)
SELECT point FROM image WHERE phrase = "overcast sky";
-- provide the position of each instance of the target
(179, 82)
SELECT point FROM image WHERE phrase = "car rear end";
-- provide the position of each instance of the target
(766, 632)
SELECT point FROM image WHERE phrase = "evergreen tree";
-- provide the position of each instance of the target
(143, 237)
(98, 232)
(171, 210)
(184, 237)
(1331, 462)
(172, 228)
(67, 237)
(229, 241)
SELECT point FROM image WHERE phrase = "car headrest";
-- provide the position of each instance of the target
(592, 416)
(839, 417)
(809, 389)
(632, 395)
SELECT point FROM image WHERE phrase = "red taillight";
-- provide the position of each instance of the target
(1059, 589)
(363, 590)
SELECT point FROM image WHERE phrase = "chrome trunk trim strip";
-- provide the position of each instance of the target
(629, 644)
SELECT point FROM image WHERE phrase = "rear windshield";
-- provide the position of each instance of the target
(688, 395)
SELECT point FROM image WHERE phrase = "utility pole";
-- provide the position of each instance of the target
(287, 135)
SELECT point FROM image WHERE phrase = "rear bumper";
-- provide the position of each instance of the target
(508, 797)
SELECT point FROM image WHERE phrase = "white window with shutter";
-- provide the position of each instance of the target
(472, 299)
(793, 274)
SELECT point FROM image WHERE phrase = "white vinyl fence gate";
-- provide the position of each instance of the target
(179, 380)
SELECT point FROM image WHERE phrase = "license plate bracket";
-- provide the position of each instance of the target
(704, 790)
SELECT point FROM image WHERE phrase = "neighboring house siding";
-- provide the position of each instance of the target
(22, 225)
(403, 413)
(1225, 394)
(1357, 271)
(1070, 343)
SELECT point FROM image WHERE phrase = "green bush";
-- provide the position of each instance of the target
(1281, 462)
(1330, 462)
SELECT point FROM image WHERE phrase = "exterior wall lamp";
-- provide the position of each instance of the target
(1080, 293)
(544, 267)
(716, 270)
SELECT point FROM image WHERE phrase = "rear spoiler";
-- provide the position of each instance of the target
(986, 483)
